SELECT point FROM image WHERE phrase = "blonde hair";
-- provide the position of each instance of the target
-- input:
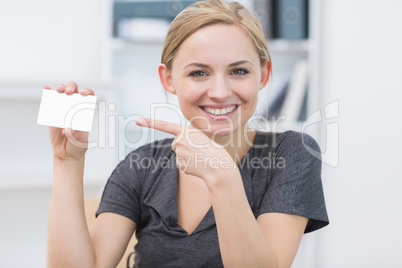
(205, 13)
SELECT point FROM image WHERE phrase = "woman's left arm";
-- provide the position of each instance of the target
(271, 240)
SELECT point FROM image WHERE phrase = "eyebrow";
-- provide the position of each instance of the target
(240, 63)
(200, 65)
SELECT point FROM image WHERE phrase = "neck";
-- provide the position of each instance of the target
(238, 142)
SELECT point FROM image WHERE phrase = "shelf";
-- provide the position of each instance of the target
(121, 44)
(286, 46)
(31, 90)
(275, 45)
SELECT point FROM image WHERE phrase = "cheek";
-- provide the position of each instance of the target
(188, 94)
(186, 99)
(248, 92)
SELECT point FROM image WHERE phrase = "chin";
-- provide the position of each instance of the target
(222, 131)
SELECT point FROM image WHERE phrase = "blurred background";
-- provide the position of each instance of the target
(336, 76)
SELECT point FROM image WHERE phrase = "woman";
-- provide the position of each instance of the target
(220, 193)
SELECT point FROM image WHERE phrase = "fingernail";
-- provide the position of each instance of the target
(85, 91)
(69, 89)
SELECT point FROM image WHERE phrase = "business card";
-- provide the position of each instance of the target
(61, 110)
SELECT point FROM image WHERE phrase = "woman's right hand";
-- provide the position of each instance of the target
(69, 144)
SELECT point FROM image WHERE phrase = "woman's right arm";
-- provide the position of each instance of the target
(70, 243)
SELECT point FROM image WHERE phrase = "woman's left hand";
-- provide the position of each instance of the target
(196, 153)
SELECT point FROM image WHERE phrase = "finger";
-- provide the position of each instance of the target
(46, 87)
(86, 92)
(160, 125)
(174, 143)
(71, 87)
(76, 137)
(69, 133)
(61, 88)
(181, 164)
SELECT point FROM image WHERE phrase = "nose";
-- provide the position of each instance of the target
(219, 89)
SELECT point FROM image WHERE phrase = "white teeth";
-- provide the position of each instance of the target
(220, 111)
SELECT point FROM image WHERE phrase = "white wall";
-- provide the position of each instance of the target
(50, 39)
(361, 67)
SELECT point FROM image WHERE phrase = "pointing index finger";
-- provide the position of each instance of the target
(159, 125)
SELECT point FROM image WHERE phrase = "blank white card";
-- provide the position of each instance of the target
(61, 110)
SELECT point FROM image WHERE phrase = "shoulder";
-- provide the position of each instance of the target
(145, 157)
(295, 186)
(298, 141)
(154, 149)
(292, 142)
(291, 152)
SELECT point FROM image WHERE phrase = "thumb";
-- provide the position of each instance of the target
(70, 134)
(74, 136)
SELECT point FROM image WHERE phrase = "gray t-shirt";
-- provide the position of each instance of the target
(279, 175)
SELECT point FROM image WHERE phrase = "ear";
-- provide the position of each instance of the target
(265, 74)
(165, 76)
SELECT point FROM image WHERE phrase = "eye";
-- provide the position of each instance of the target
(240, 72)
(198, 74)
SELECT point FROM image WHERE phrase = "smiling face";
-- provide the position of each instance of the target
(216, 75)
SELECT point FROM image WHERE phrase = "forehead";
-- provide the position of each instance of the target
(219, 43)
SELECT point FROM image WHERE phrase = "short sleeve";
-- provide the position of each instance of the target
(296, 186)
(121, 193)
